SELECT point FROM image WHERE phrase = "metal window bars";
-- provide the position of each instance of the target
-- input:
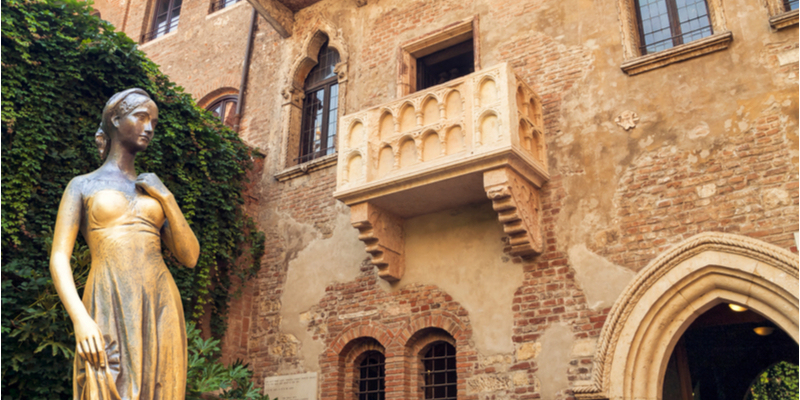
(370, 383)
(440, 376)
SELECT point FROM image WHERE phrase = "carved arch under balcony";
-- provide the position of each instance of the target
(293, 89)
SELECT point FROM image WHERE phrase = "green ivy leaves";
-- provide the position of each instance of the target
(60, 65)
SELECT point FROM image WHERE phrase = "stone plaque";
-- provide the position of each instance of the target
(292, 387)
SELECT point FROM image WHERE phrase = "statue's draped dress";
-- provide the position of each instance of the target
(132, 296)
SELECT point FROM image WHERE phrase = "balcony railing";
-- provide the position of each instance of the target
(476, 137)
(441, 133)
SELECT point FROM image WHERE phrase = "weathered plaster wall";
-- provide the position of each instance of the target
(322, 262)
(461, 251)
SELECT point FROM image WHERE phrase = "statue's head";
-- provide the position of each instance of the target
(128, 117)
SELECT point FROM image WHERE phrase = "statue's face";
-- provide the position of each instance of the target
(135, 130)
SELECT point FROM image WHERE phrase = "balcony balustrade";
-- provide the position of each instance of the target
(476, 137)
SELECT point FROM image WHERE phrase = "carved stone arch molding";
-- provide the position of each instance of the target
(656, 308)
(293, 93)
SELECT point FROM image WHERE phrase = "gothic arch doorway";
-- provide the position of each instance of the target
(673, 291)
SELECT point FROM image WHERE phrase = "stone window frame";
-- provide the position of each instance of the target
(293, 94)
(665, 297)
(409, 51)
(779, 18)
(150, 33)
(635, 63)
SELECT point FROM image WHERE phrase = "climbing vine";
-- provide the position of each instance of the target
(60, 65)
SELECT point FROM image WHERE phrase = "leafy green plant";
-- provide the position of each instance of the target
(778, 382)
(60, 65)
(207, 375)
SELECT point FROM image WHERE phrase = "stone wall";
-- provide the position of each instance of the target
(637, 164)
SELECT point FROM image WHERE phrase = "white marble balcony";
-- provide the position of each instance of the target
(452, 144)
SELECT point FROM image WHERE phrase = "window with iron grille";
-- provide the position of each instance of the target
(217, 5)
(320, 107)
(165, 20)
(439, 372)
(370, 382)
(789, 5)
(224, 109)
(664, 24)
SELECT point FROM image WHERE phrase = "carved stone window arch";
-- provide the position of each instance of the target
(293, 93)
(655, 309)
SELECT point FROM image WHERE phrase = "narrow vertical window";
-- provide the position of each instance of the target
(224, 109)
(439, 373)
(166, 18)
(664, 24)
(370, 382)
(320, 107)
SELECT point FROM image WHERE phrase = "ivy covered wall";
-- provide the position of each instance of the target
(60, 65)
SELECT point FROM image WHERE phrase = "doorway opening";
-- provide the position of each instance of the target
(723, 352)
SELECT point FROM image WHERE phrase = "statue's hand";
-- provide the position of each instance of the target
(90, 344)
(153, 186)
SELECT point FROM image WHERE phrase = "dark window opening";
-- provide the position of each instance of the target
(789, 5)
(445, 65)
(664, 24)
(224, 109)
(439, 373)
(721, 354)
(370, 382)
(217, 5)
(320, 107)
(168, 12)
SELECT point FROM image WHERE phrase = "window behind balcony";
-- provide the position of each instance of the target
(446, 64)
(166, 18)
(320, 107)
(664, 24)
(789, 5)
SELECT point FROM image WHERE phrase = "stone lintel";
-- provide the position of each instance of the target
(383, 234)
(278, 15)
(710, 44)
(517, 203)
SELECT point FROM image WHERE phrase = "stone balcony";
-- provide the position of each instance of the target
(465, 141)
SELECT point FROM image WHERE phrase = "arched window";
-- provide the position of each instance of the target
(224, 109)
(370, 382)
(320, 107)
(439, 371)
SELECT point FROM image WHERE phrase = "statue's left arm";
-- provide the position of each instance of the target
(175, 233)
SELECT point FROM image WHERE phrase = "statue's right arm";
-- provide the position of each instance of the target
(90, 345)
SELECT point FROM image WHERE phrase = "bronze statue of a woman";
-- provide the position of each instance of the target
(129, 328)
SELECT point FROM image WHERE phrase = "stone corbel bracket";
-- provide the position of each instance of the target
(518, 206)
(383, 234)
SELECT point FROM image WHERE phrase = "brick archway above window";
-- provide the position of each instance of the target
(656, 308)
(216, 94)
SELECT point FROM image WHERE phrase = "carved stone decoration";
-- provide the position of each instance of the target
(383, 234)
(518, 207)
(730, 267)
(627, 120)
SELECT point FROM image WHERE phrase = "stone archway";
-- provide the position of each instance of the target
(672, 291)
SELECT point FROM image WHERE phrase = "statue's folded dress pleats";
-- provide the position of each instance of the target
(132, 296)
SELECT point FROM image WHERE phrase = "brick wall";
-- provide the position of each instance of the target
(741, 179)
